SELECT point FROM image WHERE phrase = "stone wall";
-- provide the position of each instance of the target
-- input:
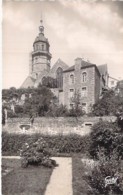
(54, 125)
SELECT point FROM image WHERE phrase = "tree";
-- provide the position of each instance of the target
(38, 103)
(109, 104)
(76, 103)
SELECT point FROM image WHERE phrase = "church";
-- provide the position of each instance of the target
(82, 77)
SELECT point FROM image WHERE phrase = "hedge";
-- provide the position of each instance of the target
(12, 143)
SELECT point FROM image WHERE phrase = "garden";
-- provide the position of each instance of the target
(97, 160)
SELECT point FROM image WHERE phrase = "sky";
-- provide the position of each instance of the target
(92, 30)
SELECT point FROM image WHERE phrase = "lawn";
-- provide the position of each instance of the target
(79, 170)
(20, 181)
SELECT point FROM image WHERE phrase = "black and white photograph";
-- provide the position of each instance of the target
(62, 97)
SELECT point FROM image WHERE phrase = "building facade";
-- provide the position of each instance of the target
(83, 77)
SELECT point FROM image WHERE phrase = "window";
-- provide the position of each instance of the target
(71, 93)
(42, 47)
(112, 82)
(71, 79)
(44, 81)
(59, 77)
(84, 107)
(84, 77)
(71, 106)
(84, 91)
(36, 59)
(36, 75)
(36, 47)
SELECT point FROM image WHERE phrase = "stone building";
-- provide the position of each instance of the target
(83, 77)
(112, 82)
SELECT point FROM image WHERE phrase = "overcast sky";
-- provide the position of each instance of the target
(93, 31)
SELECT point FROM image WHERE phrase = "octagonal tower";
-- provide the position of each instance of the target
(40, 56)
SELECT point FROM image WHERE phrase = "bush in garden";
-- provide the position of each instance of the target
(105, 135)
(107, 167)
(36, 153)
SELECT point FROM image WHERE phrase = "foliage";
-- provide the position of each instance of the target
(108, 136)
(57, 110)
(109, 104)
(3, 116)
(120, 120)
(76, 109)
(37, 100)
(106, 167)
(11, 143)
(49, 82)
(36, 153)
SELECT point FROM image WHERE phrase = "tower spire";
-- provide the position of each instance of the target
(41, 27)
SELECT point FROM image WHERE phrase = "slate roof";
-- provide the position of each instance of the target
(85, 64)
(29, 82)
(41, 37)
(103, 69)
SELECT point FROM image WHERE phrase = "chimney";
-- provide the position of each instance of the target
(78, 63)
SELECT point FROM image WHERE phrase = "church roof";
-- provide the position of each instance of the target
(59, 63)
(29, 82)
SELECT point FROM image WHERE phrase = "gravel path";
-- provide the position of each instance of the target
(11, 157)
(61, 178)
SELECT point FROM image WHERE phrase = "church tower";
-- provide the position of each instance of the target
(40, 56)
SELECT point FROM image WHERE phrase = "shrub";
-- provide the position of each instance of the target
(36, 153)
(105, 135)
(107, 167)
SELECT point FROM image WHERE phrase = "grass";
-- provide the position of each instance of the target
(20, 181)
(80, 185)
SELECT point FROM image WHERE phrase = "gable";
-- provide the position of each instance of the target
(59, 64)
(29, 82)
